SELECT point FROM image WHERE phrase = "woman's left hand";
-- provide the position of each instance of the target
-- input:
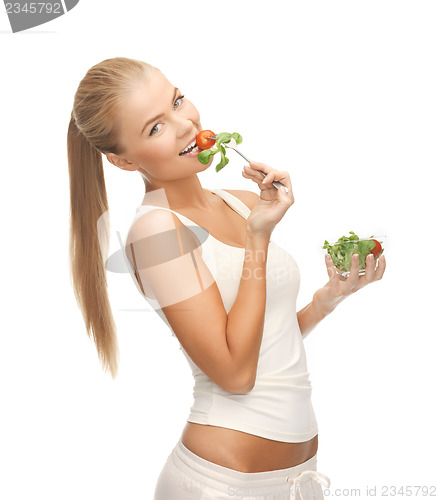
(338, 287)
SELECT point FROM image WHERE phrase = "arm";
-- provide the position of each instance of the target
(224, 347)
(310, 315)
(313, 313)
(308, 318)
(244, 330)
(326, 299)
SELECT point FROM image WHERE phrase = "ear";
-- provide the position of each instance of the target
(121, 162)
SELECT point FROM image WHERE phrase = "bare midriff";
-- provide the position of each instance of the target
(245, 452)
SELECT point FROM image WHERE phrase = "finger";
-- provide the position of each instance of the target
(250, 172)
(254, 174)
(370, 273)
(275, 175)
(381, 267)
(260, 166)
(335, 277)
(282, 195)
(281, 176)
(354, 271)
(285, 179)
(331, 271)
(265, 182)
(269, 179)
(259, 178)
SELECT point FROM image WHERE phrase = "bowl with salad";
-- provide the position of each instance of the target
(345, 247)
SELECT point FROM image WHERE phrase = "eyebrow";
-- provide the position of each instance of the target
(160, 115)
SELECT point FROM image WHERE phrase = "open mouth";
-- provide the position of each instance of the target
(191, 148)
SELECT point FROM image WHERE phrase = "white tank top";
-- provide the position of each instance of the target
(279, 406)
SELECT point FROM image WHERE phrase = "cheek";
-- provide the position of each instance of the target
(163, 147)
(161, 152)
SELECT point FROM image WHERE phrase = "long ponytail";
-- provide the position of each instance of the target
(88, 248)
(92, 131)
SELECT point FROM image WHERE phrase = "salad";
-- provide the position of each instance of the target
(342, 251)
(212, 146)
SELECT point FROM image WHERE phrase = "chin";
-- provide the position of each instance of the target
(201, 167)
(208, 164)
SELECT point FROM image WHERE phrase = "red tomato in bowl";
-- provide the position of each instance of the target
(203, 141)
(377, 249)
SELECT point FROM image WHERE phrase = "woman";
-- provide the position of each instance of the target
(228, 298)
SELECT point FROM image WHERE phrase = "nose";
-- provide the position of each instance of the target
(184, 126)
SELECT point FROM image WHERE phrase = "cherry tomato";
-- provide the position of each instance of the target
(377, 249)
(202, 139)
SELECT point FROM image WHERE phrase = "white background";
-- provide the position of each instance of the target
(343, 95)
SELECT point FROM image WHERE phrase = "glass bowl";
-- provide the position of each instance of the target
(341, 252)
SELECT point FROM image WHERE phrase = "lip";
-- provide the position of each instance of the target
(192, 154)
(193, 139)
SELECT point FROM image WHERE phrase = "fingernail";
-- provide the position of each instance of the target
(327, 257)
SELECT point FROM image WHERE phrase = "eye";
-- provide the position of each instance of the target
(176, 100)
(154, 129)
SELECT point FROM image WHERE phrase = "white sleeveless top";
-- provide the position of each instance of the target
(279, 406)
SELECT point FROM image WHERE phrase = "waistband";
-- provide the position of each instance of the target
(231, 480)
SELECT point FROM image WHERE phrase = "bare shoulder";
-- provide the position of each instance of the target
(159, 231)
(153, 222)
(248, 197)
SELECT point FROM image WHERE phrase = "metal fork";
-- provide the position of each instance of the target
(232, 145)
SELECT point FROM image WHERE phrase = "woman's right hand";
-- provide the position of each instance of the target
(272, 204)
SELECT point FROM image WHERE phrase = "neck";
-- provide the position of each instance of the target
(185, 194)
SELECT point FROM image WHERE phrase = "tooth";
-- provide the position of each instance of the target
(190, 146)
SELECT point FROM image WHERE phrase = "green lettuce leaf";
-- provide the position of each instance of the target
(223, 138)
(205, 156)
(342, 251)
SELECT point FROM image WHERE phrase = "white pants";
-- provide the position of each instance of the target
(186, 476)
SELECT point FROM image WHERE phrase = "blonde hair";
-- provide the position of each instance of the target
(93, 130)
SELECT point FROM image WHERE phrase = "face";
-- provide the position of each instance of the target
(157, 123)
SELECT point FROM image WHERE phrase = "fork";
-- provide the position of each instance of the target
(232, 145)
